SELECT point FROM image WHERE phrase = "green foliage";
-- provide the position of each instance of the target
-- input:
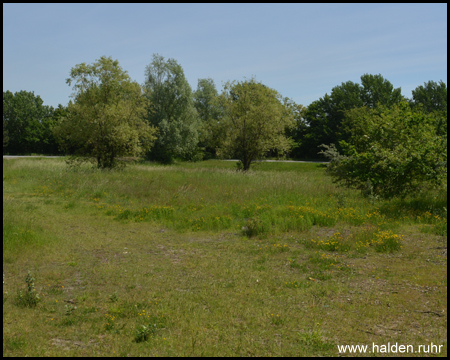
(106, 119)
(256, 226)
(391, 151)
(216, 286)
(5, 134)
(324, 117)
(114, 297)
(171, 110)
(431, 95)
(143, 332)
(29, 298)
(314, 341)
(386, 241)
(27, 124)
(209, 114)
(255, 121)
(376, 90)
(297, 132)
(149, 330)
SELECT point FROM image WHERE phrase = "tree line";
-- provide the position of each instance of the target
(362, 128)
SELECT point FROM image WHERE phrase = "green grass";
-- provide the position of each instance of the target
(197, 259)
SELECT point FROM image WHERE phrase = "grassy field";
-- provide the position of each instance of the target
(196, 259)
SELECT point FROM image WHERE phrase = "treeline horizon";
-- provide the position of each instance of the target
(187, 121)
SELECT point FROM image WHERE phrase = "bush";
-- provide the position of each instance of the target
(391, 151)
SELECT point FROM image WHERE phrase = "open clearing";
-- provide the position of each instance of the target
(212, 262)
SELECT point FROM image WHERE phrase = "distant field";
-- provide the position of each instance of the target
(200, 260)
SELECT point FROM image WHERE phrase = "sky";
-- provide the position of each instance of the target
(300, 50)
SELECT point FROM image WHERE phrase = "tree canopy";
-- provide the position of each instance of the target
(324, 117)
(28, 124)
(254, 121)
(209, 114)
(432, 96)
(391, 151)
(171, 110)
(106, 119)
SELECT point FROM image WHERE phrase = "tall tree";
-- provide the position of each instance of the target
(324, 117)
(107, 117)
(255, 121)
(376, 90)
(26, 120)
(209, 114)
(171, 110)
(432, 96)
(297, 111)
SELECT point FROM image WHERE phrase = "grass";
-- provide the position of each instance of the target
(196, 259)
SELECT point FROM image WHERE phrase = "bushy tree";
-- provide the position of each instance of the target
(106, 119)
(296, 132)
(28, 123)
(324, 117)
(432, 96)
(254, 121)
(171, 110)
(209, 114)
(391, 151)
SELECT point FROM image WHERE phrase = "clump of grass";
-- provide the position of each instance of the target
(277, 320)
(386, 241)
(336, 242)
(149, 329)
(70, 309)
(324, 261)
(29, 298)
(256, 226)
(109, 325)
(143, 332)
(361, 241)
(315, 216)
(313, 340)
(210, 222)
(114, 297)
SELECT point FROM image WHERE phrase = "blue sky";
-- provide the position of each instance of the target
(300, 50)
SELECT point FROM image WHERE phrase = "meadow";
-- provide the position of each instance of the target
(197, 259)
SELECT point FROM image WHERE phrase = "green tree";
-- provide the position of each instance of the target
(27, 122)
(171, 110)
(376, 90)
(255, 120)
(209, 115)
(324, 117)
(106, 120)
(431, 95)
(391, 151)
(5, 134)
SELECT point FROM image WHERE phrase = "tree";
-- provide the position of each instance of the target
(254, 122)
(376, 90)
(391, 151)
(171, 110)
(106, 119)
(27, 122)
(431, 95)
(324, 117)
(5, 134)
(209, 115)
